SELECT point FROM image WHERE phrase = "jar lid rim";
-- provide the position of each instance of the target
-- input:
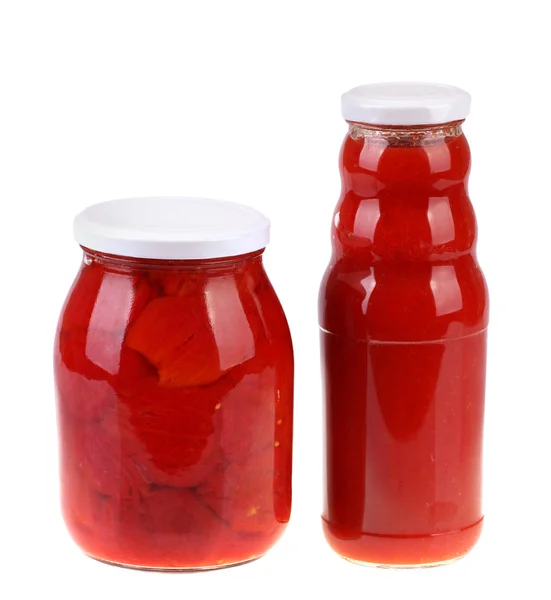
(172, 228)
(405, 103)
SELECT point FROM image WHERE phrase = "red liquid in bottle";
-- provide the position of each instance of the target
(403, 315)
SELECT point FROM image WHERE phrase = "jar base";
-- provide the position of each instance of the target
(173, 569)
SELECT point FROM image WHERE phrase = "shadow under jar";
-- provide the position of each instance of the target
(403, 316)
(174, 379)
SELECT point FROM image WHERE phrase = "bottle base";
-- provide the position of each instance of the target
(401, 552)
(176, 569)
(373, 565)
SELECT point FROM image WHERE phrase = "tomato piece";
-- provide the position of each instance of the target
(86, 399)
(172, 334)
(242, 493)
(245, 416)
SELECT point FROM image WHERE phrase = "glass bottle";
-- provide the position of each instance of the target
(403, 314)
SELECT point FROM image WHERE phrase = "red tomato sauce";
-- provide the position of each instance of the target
(174, 384)
(403, 315)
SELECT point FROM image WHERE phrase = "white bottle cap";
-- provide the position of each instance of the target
(171, 228)
(406, 103)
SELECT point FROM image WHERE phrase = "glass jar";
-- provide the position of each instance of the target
(403, 316)
(174, 380)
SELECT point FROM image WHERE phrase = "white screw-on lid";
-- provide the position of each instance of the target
(406, 103)
(171, 228)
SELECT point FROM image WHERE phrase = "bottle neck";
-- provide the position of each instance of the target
(401, 159)
(405, 136)
(404, 192)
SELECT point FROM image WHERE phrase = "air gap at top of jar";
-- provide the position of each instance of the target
(174, 379)
(403, 315)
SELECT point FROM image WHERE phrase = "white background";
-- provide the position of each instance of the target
(240, 100)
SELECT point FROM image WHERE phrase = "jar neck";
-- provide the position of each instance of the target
(128, 263)
(405, 135)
